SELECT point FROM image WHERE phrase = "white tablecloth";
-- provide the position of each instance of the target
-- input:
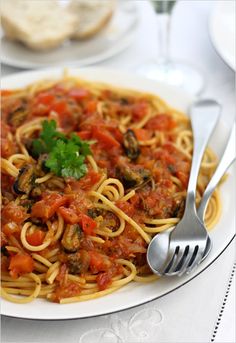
(191, 313)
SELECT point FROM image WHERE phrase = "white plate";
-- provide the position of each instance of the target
(135, 293)
(113, 39)
(222, 30)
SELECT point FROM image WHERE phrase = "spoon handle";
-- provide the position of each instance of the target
(204, 116)
(227, 159)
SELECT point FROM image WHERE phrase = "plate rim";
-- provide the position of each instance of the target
(55, 72)
(211, 28)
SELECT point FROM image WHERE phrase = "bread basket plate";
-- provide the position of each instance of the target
(110, 41)
(133, 294)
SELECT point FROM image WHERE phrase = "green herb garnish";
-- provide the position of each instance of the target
(66, 156)
(47, 138)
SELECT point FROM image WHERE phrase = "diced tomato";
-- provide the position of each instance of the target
(167, 183)
(21, 264)
(14, 213)
(142, 134)
(65, 116)
(139, 110)
(47, 207)
(91, 106)
(36, 238)
(42, 103)
(45, 98)
(59, 107)
(77, 201)
(105, 139)
(161, 122)
(69, 215)
(103, 280)
(115, 132)
(99, 262)
(88, 225)
(84, 134)
(78, 93)
(89, 180)
(6, 92)
(10, 229)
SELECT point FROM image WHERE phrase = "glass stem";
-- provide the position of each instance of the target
(164, 37)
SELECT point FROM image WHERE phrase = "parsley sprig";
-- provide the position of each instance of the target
(47, 138)
(66, 155)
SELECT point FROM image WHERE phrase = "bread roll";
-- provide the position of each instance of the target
(39, 24)
(92, 16)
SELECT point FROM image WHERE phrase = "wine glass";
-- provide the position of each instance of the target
(163, 68)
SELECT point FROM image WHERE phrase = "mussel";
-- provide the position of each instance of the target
(71, 238)
(25, 180)
(135, 177)
(131, 145)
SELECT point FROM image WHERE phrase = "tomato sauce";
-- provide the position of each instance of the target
(151, 173)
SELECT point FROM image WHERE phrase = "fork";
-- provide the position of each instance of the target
(189, 238)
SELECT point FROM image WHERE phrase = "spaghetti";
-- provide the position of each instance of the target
(70, 239)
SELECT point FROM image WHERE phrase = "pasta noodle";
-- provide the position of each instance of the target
(76, 237)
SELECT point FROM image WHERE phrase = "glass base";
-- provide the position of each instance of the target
(176, 74)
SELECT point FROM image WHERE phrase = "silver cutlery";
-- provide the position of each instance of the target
(181, 249)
